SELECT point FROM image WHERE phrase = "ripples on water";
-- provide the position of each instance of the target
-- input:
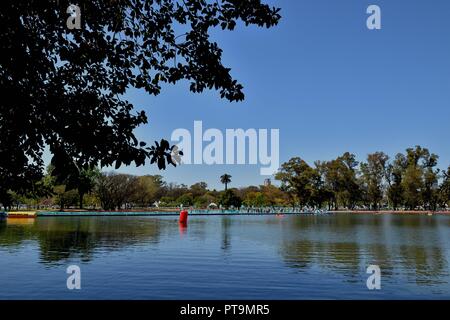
(234, 257)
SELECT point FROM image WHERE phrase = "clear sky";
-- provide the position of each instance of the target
(327, 82)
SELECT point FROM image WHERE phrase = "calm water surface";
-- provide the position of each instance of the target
(234, 257)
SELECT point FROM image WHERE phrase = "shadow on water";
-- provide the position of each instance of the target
(78, 237)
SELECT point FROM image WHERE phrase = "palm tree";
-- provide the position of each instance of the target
(225, 179)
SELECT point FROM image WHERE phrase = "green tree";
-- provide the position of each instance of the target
(444, 189)
(168, 201)
(204, 200)
(419, 162)
(430, 190)
(274, 196)
(65, 198)
(320, 192)
(256, 199)
(186, 200)
(299, 177)
(225, 179)
(394, 176)
(74, 178)
(351, 192)
(149, 189)
(198, 189)
(85, 182)
(116, 190)
(340, 179)
(412, 183)
(373, 174)
(228, 198)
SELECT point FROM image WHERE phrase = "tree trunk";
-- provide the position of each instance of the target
(81, 200)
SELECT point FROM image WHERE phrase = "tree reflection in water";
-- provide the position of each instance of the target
(63, 238)
(226, 237)
(409, 246)
(414, 249)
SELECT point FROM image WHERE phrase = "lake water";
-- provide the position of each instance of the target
(226, 257)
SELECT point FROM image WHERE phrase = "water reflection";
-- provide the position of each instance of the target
(226, 236)
(182, 227)
(415, 247)
(78, 237)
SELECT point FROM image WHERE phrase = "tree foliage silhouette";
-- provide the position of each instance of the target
(63, 88)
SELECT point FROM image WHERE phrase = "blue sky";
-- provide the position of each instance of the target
(327, 82)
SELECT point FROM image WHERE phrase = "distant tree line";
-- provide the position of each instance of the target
(410, 180)
(93, 189)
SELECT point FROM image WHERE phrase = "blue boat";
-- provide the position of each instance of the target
(3, 214)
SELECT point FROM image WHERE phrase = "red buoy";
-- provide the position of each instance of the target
(183, 216)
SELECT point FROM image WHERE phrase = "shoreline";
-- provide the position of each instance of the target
(175, 212)
(397, 212)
